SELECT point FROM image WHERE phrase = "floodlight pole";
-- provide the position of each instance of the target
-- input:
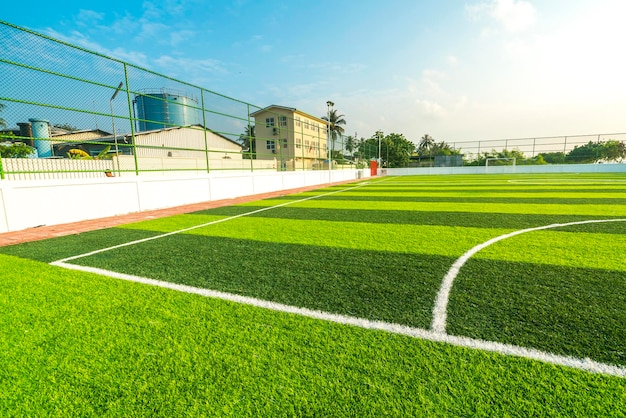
(379, 134)
(117, 90)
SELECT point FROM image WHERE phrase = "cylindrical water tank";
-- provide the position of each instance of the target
(41, 129)
(26, 132)
(165, 110)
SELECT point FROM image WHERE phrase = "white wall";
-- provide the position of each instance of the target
(30, 203)
(508, 169)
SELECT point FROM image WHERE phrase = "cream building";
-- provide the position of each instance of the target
(296, 140)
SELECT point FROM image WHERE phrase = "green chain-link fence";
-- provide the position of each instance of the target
(66, 110)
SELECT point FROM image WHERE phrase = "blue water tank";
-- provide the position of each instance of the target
(41, 129)
(165, 109)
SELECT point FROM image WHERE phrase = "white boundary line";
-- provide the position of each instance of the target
(506, 349)
(437, 334)
(441, 303)
(180, 231)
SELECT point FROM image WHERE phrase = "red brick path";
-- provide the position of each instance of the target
(45, 232)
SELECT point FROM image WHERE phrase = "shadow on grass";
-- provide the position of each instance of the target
(571, 311)
(391, 287)
(462, 219)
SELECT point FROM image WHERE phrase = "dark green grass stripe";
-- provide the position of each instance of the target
(57, 248)
(570, 311)
(390, 287)
(75, 344)
(452, 219)
(485, 200)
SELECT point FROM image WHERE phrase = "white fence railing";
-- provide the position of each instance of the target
(42, 168)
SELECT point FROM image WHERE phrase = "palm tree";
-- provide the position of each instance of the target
(335, 122)
(351, 144)
(427, 143)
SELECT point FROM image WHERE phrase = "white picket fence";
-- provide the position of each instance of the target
(51, 168)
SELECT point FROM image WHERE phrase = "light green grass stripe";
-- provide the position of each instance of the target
(519, 208)
(580, 249)
(422, 239)
(499, 193)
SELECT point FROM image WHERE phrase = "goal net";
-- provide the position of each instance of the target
(499, 161)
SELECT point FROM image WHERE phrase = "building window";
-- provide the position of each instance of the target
(297, 120)
(271, 145)
(284, 143)
(282, 121)
(269, 122)
(298, 142)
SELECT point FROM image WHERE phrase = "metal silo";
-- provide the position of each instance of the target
(163, 109)
(41, 129)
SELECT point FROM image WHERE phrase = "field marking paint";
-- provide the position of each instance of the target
(230, 218)
(505, 349)
(440, 314)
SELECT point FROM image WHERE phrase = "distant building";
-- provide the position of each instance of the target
(292, 137)
(184, 142)
(63, 141)
(180, 141)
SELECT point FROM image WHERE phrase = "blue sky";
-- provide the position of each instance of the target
(457, 70)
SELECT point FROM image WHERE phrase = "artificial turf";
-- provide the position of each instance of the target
(377, 251)
(79, 344)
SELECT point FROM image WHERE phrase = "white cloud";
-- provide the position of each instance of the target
(193, 67)
(430, 109)
(78, 38)
(510, 15)
(178, 37)
(514, 15)
(88, 17)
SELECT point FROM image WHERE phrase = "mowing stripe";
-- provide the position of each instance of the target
(505, 349)
(440, 314)
(139, 241)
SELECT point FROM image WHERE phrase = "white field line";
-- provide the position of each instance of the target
(438, 324)
(230, 218)
(564, 182)
(506, 349)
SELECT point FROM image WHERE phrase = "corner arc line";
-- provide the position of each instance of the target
(440, 311)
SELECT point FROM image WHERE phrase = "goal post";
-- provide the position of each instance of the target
(500, 161)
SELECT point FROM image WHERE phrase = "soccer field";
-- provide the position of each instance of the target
(457, 295)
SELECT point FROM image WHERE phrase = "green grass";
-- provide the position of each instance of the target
(379, 252)
(78, 344)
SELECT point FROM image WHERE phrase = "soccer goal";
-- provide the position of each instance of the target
(500, 161)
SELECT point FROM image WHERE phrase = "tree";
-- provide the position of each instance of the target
(15, 150)
(614, 150)
(443, 148)
(552, 157)
(584, 154)
(396, 150)
(368, 148)
(336, 121)
(350, 144)
(3, 123)
(248, 142)
(592, 152)
(426, 143)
